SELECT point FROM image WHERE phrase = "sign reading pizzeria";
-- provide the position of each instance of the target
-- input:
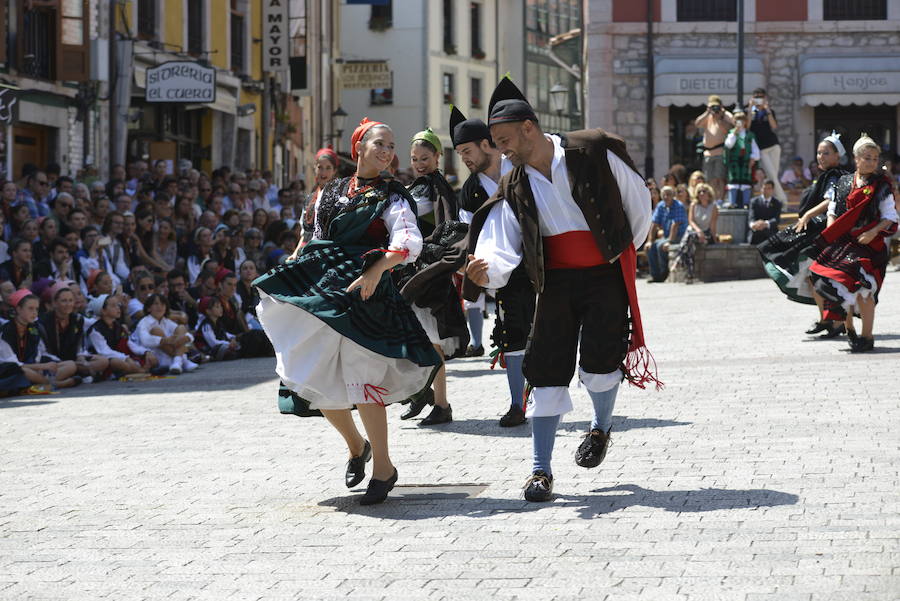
(360, 75)
(180, 81)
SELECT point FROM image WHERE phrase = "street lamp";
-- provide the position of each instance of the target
(339, 120)
(559, 97)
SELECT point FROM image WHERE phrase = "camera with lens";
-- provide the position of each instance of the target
(716, 108)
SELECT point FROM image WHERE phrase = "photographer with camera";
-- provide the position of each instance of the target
(763, 126)
(715, 123)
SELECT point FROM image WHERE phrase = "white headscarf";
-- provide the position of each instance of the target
(835, 138)
(864, 140)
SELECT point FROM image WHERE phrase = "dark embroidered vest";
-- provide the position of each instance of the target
(10, 335)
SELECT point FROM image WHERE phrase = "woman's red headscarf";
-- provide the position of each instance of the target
(329, 154)
(358, 133)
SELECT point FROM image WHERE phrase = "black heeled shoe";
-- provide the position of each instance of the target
(834, 330)
(356, 467)
(819, 326)
(378, 490)
(438, 415)
(418, 403)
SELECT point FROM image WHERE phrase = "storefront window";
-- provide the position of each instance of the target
(851, 122)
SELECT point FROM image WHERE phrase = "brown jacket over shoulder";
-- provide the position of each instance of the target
(594, 189)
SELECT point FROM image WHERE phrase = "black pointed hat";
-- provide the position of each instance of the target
(508, 104)
(464, 130)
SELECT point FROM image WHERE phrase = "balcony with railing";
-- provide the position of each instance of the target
(37, 44)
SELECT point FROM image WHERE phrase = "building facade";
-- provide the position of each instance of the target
(826, 64)
(50, 66)
(443, 52)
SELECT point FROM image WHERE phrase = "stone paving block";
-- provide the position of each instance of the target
(760, 471)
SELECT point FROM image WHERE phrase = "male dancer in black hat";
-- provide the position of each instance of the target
(572, 211)
(515, 301)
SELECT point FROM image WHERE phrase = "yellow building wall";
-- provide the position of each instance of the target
(172, 34)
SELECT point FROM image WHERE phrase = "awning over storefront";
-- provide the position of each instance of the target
(846, 80)
(689, 80)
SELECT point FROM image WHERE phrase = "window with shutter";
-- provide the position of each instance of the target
(73, 61)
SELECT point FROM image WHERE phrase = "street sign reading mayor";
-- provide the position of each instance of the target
(180, 81)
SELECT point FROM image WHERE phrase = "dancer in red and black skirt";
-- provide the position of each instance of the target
(850, 268)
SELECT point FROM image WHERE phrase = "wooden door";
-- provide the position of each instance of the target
(29, 146)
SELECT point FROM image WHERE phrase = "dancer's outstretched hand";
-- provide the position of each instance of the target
(476, 271)
(366, 283)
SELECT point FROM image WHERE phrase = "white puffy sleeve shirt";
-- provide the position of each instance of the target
(403, 230)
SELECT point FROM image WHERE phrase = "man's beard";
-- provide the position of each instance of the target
(484, 164)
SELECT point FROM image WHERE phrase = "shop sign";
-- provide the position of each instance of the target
(850, 83)
(9, 106)
(366, 75)
(181, 81)
(276, 36)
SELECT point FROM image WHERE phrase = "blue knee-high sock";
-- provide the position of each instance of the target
(516, 379)
(603, 408)
(476, 323)
(543, 434)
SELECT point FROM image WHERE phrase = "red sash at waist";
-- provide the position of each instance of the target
(572, 250)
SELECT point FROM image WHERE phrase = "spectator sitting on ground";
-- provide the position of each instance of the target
(796, 176)
(168, 340)
(181, 303)
(669, 225)
(108, 337)
(145, 285)
(212, 337)
(63, 332)
(21, 343)
(765, 214)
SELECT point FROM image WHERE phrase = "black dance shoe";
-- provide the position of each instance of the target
(514, 417)
(819, 326)
(862, 345)
(356, 467)
(438, 415)
(852, 336)
(834, 330)
(592, 450)
(539, 487)
(378, 490)
(475, 351)
(417, 403)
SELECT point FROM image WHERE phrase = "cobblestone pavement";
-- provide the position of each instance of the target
(766, 469)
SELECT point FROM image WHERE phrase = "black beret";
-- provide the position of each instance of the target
(464, 130)
(508, 104)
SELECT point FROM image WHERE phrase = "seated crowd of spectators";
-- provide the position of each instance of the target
(146, 273)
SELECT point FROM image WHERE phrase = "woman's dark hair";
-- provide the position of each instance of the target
(107, 221)
(171, 226)
(152, 299)
(424, 144)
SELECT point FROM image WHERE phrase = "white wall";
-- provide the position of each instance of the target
(403, 45)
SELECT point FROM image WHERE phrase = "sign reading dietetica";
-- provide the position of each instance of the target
(180, 81)
(276, 36)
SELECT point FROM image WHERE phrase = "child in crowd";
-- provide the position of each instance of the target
(108, 337)
(21, 343)
(168, 340)
(220, 344)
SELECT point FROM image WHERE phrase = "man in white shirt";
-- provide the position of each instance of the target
(573, 209)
